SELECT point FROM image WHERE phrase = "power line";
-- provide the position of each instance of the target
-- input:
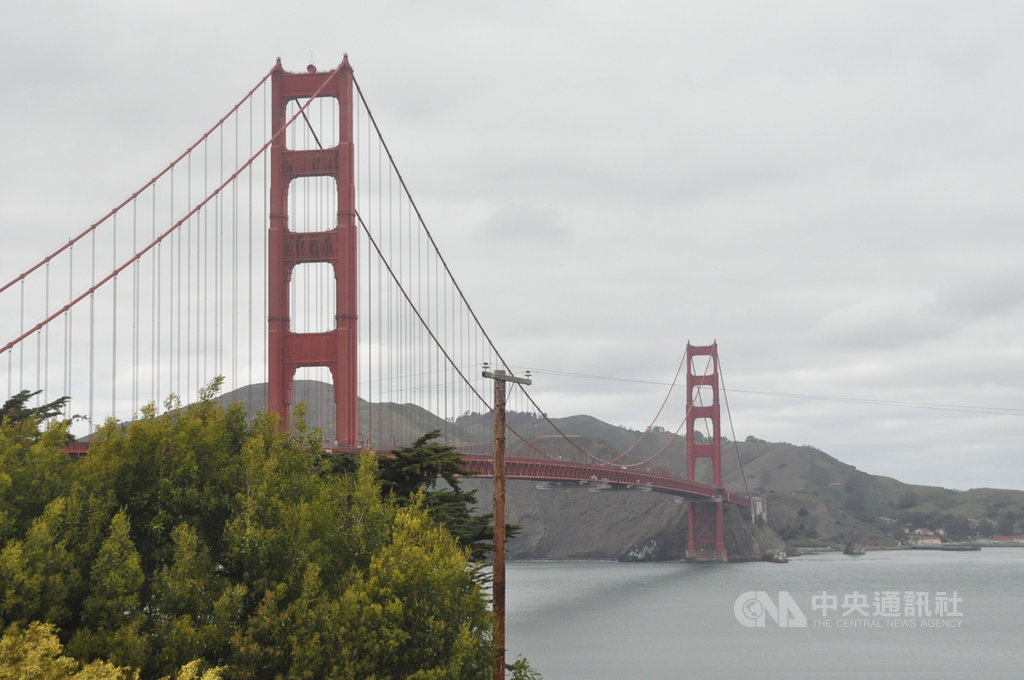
(960, 408)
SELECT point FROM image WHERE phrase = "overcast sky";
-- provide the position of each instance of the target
(832, 191)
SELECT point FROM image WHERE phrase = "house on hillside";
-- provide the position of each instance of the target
(923, 536)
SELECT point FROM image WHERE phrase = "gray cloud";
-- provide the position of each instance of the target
(829, 190)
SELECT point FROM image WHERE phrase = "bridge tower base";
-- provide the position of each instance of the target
(706, 541)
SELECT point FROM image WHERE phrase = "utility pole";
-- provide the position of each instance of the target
(500, 377)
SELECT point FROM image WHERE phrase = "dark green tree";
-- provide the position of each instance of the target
(34, 470)
(957, 528)
(420, 468)
(1007, 524)
(112, 614)
(16, 409)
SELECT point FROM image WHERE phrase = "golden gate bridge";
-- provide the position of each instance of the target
(284, 246)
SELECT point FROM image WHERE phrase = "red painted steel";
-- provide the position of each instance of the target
(336, 349)
(706, 539)
(580, 473)
(696, 411)
(542, 470)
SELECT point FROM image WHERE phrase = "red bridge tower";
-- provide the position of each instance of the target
(335, 349)
(706, 541)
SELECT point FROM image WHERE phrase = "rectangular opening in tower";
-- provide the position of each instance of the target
(702, 364)
(313, 388)
(316, 127)
(312, 204)
(704, 471)
(313, 298)
(703, 395)
(703, 430)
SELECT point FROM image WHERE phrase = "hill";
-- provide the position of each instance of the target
(814, 500)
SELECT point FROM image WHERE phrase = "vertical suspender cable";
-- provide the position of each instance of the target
(234, 267)
(399, 373)
(67, 331)
(113, 325)
(92, 336)
(385, 373)
(383, 310)
(219, 264)
(21, 330)
(69, 319)
(39, 367)
(188, 280)
(135, 312)
(443, 331)
(207, 285)
(249, 299)
(178, 295)
(172, 294)
(46, 363)
(416, 362)
(155, 309)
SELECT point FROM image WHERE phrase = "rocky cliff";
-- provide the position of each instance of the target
(573, 522)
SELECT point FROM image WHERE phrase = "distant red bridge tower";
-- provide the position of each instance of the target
(335, 349)
(706, 540)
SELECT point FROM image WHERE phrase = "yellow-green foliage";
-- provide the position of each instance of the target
(192, 541)
(36, 654)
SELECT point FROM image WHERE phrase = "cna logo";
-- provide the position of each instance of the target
(755, 607)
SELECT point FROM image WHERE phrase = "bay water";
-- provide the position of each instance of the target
(886, 614)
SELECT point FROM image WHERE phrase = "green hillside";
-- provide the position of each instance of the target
(814, 499)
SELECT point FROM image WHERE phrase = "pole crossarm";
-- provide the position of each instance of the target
(503, 376)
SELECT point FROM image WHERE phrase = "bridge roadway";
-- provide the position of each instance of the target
(556, 471)
(616, 477)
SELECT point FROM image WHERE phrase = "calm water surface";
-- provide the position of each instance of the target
(605, 620)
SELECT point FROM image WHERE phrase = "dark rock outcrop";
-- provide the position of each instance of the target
(575, 522)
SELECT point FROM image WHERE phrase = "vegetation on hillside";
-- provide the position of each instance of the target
(816, 500)
(193, 541)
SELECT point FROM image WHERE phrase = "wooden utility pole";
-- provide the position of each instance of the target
(500, 378)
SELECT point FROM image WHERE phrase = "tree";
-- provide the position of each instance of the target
(986, 528)
(957, 528)
(1007, 524)
(194, 536)
(112, 614)
(33, 471)
(405, 627)
(36, 654)
(15, 409)
(417, 469)
(182, 602)
(38, 572)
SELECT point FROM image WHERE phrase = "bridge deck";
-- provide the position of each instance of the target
(556, 471)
